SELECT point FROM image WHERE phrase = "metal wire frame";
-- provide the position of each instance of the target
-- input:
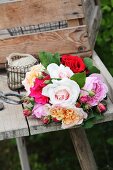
(37, 28)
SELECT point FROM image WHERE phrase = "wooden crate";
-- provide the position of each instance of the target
(66, 26)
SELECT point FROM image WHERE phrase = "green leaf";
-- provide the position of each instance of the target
(88, 124)
(99, 117)
(90, 116)
(56, 58)
(93, 69)
(88, 62)
(80, 78)
(47, 58)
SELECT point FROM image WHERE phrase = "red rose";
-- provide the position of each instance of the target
(75, 63)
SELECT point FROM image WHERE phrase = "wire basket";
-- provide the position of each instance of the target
(16, 72)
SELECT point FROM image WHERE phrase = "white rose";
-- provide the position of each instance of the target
(63, 92)
(61, 71)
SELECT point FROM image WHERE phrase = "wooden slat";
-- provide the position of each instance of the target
(89, 6)
(36, 126)
(69, 40)
(12, 122)
(21, 145)
(8, 1)
(94, 25)
(83, 149)
(29, 12)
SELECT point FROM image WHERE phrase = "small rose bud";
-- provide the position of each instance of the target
(87, 107)
(78, 104)
(46, 120)
(56, 120)
(101, 108)
(83, 99)
(27, 112)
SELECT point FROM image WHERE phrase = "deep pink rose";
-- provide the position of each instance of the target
(40, 110)
(95, 90)
(36, 91)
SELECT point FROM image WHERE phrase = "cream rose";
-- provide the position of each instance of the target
(61, 71)
(62, 92)
(73, 116)
(36, 71)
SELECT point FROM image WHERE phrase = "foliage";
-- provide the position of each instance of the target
(104, 44)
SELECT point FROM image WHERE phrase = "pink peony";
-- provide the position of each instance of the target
(94, 91)
(40, 110)
(36, 91)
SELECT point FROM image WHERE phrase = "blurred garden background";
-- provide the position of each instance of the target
(54, 151)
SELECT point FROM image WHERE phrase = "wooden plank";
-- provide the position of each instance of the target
(83, 149)
(34, 12)
(12, 122)
(8, 1)
(68, 40)
(73, 23)
(105, 73)
(94, 25)
(37, 127)
(89, 6)
(21, 145)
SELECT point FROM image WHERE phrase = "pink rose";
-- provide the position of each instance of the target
(36, 91)
(40, 110)
(95, 90)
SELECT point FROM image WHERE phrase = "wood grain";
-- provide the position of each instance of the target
(94, 25)
(8, 1)
(29, 12)
(12, 122)
(83, 149)
(69, 40)
(21, 145)
(89, 6)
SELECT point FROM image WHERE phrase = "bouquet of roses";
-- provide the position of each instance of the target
(65, 89)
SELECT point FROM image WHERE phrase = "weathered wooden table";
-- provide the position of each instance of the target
(13, 124)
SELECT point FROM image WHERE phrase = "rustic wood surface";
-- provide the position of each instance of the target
(8, 1)
(83, 149)
(68, 40)
(89, 6)
(22, 151)
(94, 25)
(12, 122)
(29, 12)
